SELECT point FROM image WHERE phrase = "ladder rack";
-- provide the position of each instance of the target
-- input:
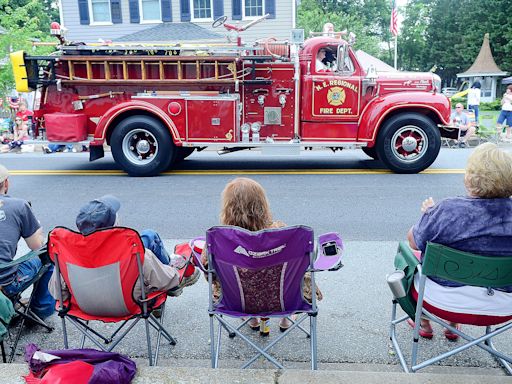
(149, 69)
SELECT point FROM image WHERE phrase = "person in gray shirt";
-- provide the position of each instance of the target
(16, 221)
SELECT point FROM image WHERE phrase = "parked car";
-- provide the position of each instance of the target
(449, 91)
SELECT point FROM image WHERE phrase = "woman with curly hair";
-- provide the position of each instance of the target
(480, 222)
(245, 205)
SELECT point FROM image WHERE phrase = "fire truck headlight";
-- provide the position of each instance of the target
(282, 100)
(255, 127)
(261, 100)
(245, 128)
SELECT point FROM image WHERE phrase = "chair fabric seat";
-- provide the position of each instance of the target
(465, 305)
(161, 297)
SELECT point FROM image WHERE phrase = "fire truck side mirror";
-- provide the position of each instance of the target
(370, 80)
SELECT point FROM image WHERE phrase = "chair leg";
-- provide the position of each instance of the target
(392, 336)
(212, 344)
(148, 340)
(218, 345)
(82, 342)
(159, 336)
(17, 339)
(313, 342)
(64, 333)
(4, 357)
(489, 343)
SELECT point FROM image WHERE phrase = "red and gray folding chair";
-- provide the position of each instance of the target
(443, 305)
(100, 271)
(261, 274)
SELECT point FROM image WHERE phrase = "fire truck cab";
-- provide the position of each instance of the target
(156, 104)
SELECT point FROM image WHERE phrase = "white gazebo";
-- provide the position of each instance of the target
(484, 70)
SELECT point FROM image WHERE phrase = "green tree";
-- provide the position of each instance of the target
(448, 34)
(366, 22)
(22, 20)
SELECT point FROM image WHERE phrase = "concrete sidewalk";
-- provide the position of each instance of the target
(353, 339)
(12, 374)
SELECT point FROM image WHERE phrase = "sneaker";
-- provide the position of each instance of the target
(462, 145)
(67, 150)
(47, 150)
(73, 150)
(185, 282)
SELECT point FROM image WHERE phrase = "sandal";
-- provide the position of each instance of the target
(450, 335)
(286, 323)
(254, 323)
(423, 333)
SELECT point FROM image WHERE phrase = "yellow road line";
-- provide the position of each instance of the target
(42, 172)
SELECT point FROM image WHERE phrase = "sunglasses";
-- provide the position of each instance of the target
(458, 107)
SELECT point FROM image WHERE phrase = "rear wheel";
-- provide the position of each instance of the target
(408, 143)
(372, 152)
(142, 146)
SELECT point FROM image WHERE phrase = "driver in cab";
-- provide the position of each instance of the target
(325, 61)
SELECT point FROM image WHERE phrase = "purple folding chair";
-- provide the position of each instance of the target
(261, 274)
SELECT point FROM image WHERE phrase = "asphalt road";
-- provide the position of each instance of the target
(344, 192)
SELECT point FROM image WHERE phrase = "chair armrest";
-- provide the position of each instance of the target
(329, 252)
(151, 296)
(20, 260)
(196, 255)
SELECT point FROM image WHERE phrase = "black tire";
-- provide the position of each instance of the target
(182, 153)
(408, 143)
(371, 152)
(142, 146)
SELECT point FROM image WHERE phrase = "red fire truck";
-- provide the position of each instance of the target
(156, 104)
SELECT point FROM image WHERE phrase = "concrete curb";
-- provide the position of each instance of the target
(12, 374)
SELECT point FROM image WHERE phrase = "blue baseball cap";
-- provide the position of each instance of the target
(98, 213)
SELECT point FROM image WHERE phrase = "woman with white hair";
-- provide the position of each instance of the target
(480, 222)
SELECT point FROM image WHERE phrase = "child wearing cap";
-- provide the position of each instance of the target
(159, 273)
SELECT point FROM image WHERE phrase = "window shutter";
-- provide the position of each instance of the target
(185, 10)
(115, 10)
(166, 10)
(237, 9)
(83, 10)
(270, 7)
(134, 11)
(218, 8)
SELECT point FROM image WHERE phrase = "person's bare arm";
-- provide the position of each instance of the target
(412, 243)
(36, 240)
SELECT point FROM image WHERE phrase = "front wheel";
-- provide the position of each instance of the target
(142, 146)
(408, 143)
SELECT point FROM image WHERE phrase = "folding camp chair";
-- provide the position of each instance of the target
(261, 274)
(465, 268)
(22, 307)
(108, 260)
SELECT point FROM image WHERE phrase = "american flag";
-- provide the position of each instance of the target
(393, 26)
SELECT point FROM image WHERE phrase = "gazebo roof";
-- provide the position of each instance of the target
(484, 64)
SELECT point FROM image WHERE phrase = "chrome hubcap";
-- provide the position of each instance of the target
(140, 146)
(409, 143)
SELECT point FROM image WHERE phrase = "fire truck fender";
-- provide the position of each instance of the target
(124, 110)
(376, 113)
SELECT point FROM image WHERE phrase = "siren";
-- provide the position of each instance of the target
(55, 28)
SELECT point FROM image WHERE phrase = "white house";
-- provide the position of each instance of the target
(161, 20)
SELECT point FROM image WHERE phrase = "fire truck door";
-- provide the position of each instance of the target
(335, 99)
